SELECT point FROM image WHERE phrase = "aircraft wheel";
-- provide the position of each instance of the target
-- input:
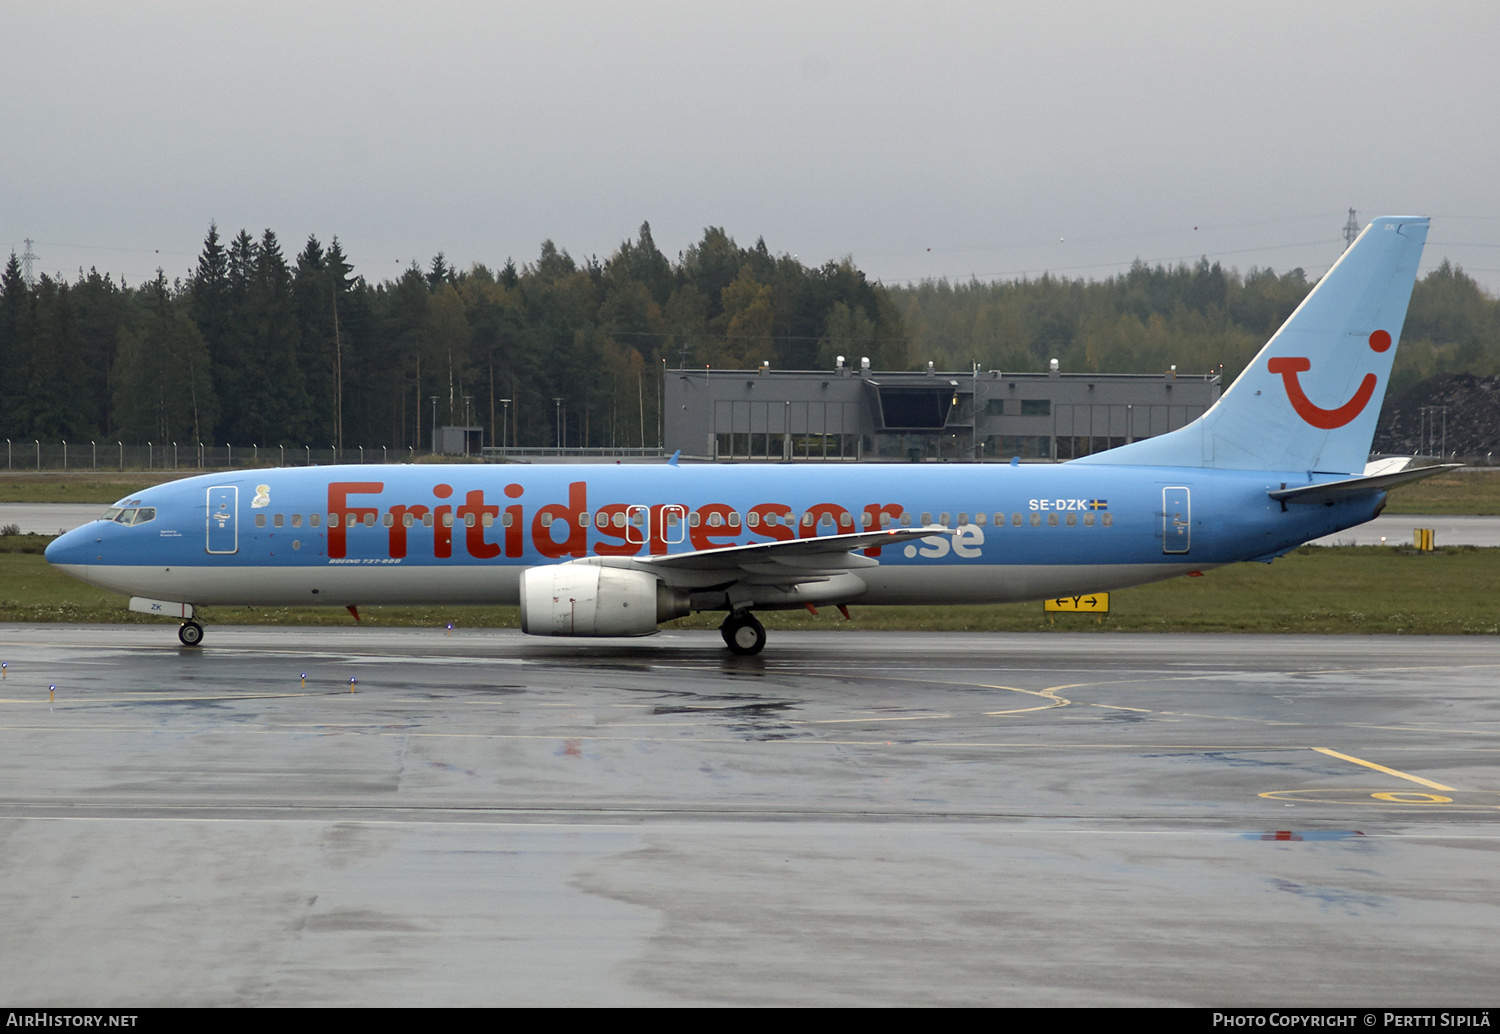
(743, 634)
(190, 632)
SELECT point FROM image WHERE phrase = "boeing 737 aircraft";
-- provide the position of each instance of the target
(616, 550)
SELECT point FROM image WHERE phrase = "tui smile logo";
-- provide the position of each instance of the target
(1327, 419)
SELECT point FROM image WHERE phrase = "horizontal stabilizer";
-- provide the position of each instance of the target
(1333, 491)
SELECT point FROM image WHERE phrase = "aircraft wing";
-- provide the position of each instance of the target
(1331, 491)
(793, 560)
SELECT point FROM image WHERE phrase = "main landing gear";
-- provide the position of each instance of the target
(743, 634)
(191, 633)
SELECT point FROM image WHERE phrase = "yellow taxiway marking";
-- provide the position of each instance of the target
(1382, 768)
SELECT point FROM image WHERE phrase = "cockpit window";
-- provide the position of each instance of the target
(129, 515)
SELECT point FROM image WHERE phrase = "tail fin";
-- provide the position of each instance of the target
(1310, 399)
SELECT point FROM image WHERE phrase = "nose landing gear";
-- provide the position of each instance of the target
(743, 634)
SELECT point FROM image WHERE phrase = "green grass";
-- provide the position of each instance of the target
(1330, 590)
(1477, 492)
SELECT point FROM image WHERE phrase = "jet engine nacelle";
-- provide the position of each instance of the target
(588, 600)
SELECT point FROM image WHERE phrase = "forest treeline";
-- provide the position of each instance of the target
(254, 348)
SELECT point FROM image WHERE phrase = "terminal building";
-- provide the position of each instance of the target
(848, 414)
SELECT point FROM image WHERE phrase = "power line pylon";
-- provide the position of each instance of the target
(1351, 230)
(26, 260)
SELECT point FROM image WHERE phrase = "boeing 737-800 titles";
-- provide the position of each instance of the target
(614, 550)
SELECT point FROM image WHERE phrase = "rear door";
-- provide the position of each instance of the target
(1176, 520)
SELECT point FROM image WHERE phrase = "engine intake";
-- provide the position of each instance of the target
(578, 599)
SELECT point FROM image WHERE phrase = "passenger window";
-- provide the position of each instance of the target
(753, 520)
(278, 520)
(296, 520)
(963, 519)
(1036, 520)
(448, 519)
(1072, 520)
(715, 520)
(1015, 520)
(845, 521)
(885, 520)
(260, 520)
(314, 520)
(1109, 519)
(905, 519)
(618, 520)
(407, 520)
(504, 520)
(468, 520)
(979, 519)
(926, 519)
(427, 520)
(693, 519)
(488, 520)
(388, 519)
(369, 520)
(1088, 520)
(583, 520)
(734, 520)
(1052, 520)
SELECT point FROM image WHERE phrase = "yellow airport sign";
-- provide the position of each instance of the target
(1089, 603)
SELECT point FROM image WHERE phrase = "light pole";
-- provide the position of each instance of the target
(556, 404)
(433, 443)
(505, 425)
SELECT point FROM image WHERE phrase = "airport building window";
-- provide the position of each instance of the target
(1036, 407)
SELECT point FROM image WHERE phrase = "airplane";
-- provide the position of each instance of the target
(611, 550)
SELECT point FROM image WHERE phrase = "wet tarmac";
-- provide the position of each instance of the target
(849, 818)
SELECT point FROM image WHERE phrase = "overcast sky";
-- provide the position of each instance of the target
(924, 140)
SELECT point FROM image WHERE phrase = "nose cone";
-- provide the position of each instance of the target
(70, 552)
